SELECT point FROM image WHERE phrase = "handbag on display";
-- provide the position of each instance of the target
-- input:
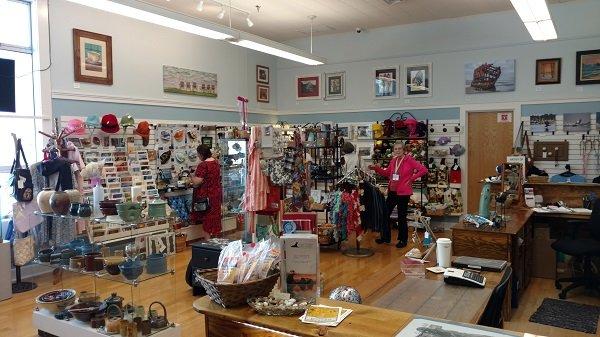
(23, 250)
(22, 182)
(201, 205)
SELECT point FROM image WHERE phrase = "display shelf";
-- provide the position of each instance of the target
(233, 174)
(45, 321)
(104, 219)
(105, 275)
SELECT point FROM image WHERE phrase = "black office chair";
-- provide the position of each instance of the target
(492, 316)
(583, 248)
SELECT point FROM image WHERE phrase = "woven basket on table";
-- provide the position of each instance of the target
(232, 295)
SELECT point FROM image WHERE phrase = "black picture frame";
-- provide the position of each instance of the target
(579, 79)
(538, 71)
(207, 141)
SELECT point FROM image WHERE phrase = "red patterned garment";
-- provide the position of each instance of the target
(210, 171)
(353, 216)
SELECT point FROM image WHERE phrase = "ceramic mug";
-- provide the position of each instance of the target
(90, 261)
(77, 262)
(74, 209)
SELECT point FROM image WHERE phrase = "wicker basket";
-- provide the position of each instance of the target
(232, 295)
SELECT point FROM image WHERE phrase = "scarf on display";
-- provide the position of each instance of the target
(242, 103)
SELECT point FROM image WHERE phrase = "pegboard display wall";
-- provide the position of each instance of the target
(171, 147)
(581, 131)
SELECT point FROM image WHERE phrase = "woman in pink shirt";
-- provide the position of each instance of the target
(402, 171)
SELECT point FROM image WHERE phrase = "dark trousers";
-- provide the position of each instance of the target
(401, 202)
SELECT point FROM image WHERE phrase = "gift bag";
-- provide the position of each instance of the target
(21, 181)
(23, 250)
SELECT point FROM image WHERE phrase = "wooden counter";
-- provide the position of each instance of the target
(243, 321)
(512, 243)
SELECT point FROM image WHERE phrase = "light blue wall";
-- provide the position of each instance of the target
(63, 107)
(448, 45)
(560, 108)
(370, 116)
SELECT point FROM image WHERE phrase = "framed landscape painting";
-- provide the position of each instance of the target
(189, 82)
(92, 56)
(547, 71)
(385, 82)
(418, 80)
(308, 87)
(588, 67)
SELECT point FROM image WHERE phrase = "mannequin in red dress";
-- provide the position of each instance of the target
(207, 183)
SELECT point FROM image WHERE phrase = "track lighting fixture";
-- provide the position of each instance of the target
(249, 22)
(221, 14)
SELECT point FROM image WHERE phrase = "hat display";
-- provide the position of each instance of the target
(127, 121)
(179, 135)
(92, 121)
(109, 123)
(443, 140)
(76, 126)
(143, 130)
(457, 150)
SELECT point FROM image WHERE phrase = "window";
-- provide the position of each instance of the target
(16, 44)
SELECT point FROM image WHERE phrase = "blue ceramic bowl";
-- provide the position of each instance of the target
(131, 269)
(156, 263)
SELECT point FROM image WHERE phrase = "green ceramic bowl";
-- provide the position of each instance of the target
(130, 211)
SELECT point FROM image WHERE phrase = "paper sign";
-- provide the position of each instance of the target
(504, 117)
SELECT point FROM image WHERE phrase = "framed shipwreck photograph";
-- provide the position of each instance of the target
(547, 71)
(491, 76)
(92, 57)
(418, 80)
(588, 67)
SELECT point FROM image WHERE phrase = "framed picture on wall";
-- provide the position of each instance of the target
(490, 76)
(547, 71)
(364, 132)
(92, 55)
(418, 80)
(262, 74)
(262, 93)
(385, 82)
(207, 141)
(588, 67)
(308, 87)
(335, 85)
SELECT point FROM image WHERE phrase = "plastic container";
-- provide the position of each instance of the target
(444, 252)
(412, 268)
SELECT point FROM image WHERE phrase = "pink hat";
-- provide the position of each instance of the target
(76, 126)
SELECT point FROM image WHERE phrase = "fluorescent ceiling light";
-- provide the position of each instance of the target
(536, 17)
(141, 11)
(277, 49)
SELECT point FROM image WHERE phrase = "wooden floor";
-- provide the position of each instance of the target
(371, 276)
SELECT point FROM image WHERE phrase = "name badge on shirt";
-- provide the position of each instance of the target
(395, 177)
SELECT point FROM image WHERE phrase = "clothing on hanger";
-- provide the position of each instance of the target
(455, 175)
(567, 177)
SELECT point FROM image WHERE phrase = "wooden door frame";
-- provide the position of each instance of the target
(464, 120)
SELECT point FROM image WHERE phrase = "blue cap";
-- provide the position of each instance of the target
(92, 121)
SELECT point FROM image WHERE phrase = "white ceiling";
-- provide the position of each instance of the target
(282, 20)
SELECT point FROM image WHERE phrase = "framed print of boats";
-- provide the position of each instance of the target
(492, 76)
(418, 80)
(92, 54)
(588, 67)
(385, 82)
(189, 82)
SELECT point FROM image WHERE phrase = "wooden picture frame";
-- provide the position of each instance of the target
(335, 85)
(262, 74)
(263, 93)
(547, 71)
(588, 67)
(92, 57)
(308, 87)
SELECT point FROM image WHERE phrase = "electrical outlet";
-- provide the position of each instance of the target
(539, 89)
(76, 85)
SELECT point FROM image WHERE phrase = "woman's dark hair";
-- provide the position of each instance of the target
(204, 151)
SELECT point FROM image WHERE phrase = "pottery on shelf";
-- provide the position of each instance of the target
(85, 210)
(43, 200)
(157, 209)
(60, 203)
(74, 196)
(130, 211)
(111, 264)
(74, 210)
(156, 263)
(131, 269)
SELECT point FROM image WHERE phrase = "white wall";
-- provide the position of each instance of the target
(140, 50)
(448, 45)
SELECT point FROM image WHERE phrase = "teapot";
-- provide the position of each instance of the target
(156, 321)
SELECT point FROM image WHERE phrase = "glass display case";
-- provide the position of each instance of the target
(132, 263)
(233, 177)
